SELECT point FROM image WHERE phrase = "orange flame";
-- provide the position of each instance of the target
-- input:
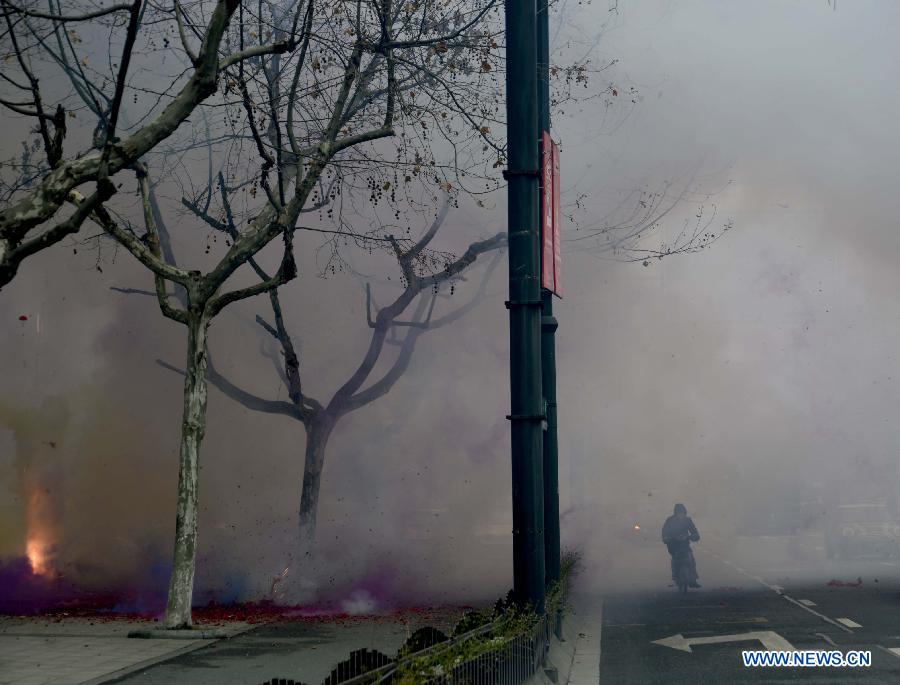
(38, 557)
(38, 545)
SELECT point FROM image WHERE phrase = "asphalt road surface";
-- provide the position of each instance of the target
(749, 601)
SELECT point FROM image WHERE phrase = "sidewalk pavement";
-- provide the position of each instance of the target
(586, 620)
(303, 650)
(82, 651)
(575, 660)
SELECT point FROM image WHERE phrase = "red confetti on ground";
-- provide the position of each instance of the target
(249, 612)
(22, 593)
(23, 318)
(266, 611)
(840, 583)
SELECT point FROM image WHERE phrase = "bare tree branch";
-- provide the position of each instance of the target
(247, 399)
(85, 16)
(40, 204)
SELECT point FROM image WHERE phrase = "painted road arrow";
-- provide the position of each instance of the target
(771, 641)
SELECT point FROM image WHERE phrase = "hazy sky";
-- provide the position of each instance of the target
(768, 358)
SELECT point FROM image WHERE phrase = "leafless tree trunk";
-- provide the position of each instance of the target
(201, 302)
(318, 430)
(193, 423)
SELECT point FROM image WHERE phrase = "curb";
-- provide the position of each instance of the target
(199, 643)
(574, 660)
(186, 634)
(146, 663)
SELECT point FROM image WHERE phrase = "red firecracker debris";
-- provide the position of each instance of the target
(22, 317)
(840, 583)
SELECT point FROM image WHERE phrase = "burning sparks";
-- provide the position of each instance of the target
(38, 557)
(637, 526)
(38, 546)
(281, 576)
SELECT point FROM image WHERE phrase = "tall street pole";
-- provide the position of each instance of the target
(548, 334)
(524, 304)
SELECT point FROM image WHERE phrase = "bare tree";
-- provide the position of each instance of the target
(324, 109)
(426, 275)
(38, 189)
(435, 102)
(313, 94)
(46, 46)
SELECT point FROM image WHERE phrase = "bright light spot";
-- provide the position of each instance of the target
(637, 526)
(38, 557)
(39, 536)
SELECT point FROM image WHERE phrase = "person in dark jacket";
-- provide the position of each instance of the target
(678, 533)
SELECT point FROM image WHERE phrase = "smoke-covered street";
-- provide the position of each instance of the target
(659, 636)
(440, 343)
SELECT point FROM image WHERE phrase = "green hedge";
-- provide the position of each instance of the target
(507, 621)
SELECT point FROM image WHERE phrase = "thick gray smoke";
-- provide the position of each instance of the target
(744, 381)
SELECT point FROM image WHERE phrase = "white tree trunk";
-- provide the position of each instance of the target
(193, 425)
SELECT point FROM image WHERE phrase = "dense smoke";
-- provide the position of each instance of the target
(755, 381)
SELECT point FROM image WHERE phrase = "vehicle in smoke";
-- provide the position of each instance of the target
(640, 531)
(639, 525)
(861, 530)
(681, 565)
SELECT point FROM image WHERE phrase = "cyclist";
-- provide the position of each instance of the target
(678, 533)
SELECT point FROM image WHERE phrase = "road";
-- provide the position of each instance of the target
(773, 593)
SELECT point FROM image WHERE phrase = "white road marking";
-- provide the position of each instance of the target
(773, 588)
(807, 602)
(836, 624)
(779, 592)
(849, 623)
(770, 640)
(755, 619)
(827, 639)
(891, 650)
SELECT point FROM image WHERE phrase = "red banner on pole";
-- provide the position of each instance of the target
(557, 228)
(551, 252)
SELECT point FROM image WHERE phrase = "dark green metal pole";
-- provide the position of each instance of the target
(548, 334)
(549, 325)
(524, 303)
